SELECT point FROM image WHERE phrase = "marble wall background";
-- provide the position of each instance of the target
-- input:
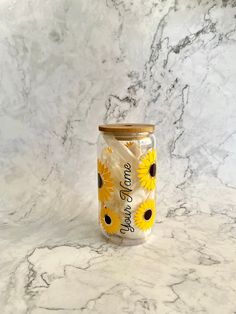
(67, 66)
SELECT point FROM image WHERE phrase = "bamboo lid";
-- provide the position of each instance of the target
(127, 128)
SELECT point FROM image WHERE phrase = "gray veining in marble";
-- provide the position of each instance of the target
(67, 66)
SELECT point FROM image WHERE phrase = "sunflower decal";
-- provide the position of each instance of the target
(105, 184)
(129, 144)
(144, 217)
(110, 220)
(108, 149)
(147, 170)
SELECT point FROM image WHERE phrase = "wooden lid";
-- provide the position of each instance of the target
(127, 128)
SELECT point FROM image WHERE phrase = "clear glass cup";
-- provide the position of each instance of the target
(126, 182)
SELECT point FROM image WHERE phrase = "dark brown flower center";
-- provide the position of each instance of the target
(148, 214)
(100, 182)
(107, 219)
(152, 170)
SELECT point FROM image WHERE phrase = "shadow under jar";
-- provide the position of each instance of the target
(126, 182)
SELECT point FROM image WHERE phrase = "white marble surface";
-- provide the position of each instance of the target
(67, 66)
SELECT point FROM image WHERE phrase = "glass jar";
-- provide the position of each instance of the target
(126, 181)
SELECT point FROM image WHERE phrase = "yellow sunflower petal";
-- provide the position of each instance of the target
(129, 144)
(110, 220)
(105, 182)
(147, 170)
(144, 217)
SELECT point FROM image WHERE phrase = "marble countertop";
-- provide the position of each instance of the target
(187, 266)
(67, 66)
